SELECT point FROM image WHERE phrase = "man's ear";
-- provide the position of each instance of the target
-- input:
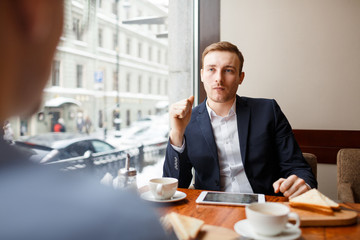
(33, 18)
(242, 76)
(201, 74)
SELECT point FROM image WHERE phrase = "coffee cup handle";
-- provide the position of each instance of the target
(296, 217)
(159, 189)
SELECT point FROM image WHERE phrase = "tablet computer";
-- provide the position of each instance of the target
(228, 198)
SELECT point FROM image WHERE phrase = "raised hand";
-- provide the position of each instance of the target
(180, 115)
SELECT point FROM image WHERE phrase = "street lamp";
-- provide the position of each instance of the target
(117, 120)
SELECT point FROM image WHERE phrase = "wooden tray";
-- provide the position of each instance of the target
(210, 232)
(340, 218)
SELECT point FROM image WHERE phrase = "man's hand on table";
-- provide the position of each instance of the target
(291, 186)
(180, 115)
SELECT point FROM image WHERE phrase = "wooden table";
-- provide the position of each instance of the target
(227, 216)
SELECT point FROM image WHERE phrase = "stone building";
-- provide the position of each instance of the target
(110, 68)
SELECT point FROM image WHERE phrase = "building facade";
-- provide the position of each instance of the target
(106, 73)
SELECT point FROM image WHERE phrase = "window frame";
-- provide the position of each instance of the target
(207, 31)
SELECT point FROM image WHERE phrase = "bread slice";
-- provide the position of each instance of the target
(331, 203)
(185, 227)
(313, 200)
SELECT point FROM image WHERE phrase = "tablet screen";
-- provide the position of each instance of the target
(231, 197)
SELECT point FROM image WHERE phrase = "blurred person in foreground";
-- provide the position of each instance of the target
(234, 144)
(38, 203)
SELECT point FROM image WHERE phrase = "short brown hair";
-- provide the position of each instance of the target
(223, 46)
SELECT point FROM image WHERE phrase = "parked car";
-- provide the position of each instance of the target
(136, 135)
(51, 147)
(145, 131)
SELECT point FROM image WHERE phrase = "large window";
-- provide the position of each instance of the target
(112, 68)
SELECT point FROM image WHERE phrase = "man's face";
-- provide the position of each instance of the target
(220, 75)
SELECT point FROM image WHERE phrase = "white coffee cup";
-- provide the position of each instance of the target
(163, 188)
(270, 219)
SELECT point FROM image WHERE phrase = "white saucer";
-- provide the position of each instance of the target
(177, 197)
(244, 229)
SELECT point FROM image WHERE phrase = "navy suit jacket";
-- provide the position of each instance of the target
(267, 145)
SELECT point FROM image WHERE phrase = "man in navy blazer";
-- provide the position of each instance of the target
(227, 132)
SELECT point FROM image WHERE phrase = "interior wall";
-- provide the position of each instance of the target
(306, 55)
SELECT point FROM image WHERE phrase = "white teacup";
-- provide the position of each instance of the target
(163, 188)
(270, 219)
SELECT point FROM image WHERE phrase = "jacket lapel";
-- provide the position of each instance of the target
(243, 117)
(203, 121)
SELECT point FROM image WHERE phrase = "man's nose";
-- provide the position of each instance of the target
(218, 77)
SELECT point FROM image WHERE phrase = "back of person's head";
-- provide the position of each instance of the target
(36, 203)
(226, 47)
(30, 32)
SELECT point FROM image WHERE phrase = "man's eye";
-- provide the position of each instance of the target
(229, 70)
(211, 69)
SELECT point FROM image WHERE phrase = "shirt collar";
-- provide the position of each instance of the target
(212, 114)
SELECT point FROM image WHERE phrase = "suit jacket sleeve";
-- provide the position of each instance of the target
(177, 165)
(290, 158)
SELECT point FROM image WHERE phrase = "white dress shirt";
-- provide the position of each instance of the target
(232, 173)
